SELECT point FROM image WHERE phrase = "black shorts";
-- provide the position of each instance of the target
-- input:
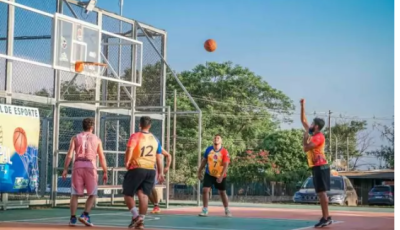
(137, 179)
(321, 178)
(209, 181)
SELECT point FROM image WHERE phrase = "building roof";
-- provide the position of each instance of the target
(374, 174)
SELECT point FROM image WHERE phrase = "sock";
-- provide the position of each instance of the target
(134, 212)
(73, 216)
(155, 204)
(226, 209)
(86, 213)
(205, 209)
(142, 216)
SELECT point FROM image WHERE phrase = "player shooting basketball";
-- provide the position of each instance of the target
(142, 152)
(86, 146)
(314, 146)
(216, 160)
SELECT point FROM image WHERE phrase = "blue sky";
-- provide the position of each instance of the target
(339, 54)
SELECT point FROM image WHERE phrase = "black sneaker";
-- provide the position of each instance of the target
(324, 222)
(133, 222)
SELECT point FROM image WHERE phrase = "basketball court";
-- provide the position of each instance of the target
(249, 218)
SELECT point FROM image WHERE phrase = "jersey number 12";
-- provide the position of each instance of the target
(149, 153)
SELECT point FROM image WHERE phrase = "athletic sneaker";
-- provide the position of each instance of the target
(72, 221)
(139, 223)
(133, 222)
(228, 213)
(324, 222)
(156, 210)
(204, 213)
(85, 219)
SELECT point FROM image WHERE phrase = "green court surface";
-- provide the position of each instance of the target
(182, 203)
(116, 218)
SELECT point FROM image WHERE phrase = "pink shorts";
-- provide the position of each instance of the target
(84, 178)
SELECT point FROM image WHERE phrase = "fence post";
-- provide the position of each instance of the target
(44, 157)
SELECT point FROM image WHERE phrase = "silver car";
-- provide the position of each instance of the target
(341, 192)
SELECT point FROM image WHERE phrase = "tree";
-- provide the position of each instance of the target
(359, 141)
(386, 152)
(235, 103)
(286, 150)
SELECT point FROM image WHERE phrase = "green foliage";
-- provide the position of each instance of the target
(286, 150)
(343, 130)
(234, 102)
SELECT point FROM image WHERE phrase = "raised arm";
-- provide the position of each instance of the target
(68, 159)
(303, 117)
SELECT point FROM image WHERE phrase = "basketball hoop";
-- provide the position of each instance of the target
(90, 70)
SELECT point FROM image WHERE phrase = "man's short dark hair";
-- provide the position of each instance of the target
(320, 122)
(218, 135)
(87, 124)
(145, 122)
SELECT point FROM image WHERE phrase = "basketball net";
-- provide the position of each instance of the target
(90, 80)
(91, 71)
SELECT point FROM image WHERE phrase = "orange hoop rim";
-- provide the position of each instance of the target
(79, 65)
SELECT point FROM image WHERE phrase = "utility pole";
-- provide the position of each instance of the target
(174, 135)
(336, 150)
(330, 136)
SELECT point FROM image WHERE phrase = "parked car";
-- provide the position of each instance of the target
(342, 192)
(381, 194)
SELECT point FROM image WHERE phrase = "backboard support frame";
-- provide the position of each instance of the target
(99, 55)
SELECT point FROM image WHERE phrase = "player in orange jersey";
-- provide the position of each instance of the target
(314, 145)
(142, 153)
(216, 160)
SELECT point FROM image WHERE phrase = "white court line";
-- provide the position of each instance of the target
(240, 217)
(309, 227)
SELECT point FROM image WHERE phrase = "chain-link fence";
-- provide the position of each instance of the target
(65, 98)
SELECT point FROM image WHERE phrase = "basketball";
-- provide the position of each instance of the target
(210, 45)
(20, 141)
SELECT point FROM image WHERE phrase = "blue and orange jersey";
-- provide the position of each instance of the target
(215, 160)
(316, 156)
(146, 147)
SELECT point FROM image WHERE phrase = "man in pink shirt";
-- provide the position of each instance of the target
(86, 146)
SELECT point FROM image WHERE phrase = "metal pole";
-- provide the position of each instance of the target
(121, 5)
(168, 149)
(174, 135)
(44, 155)
(133, 88)
(348, 158)
(199, 159)
(336, 150)
(9, 69)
